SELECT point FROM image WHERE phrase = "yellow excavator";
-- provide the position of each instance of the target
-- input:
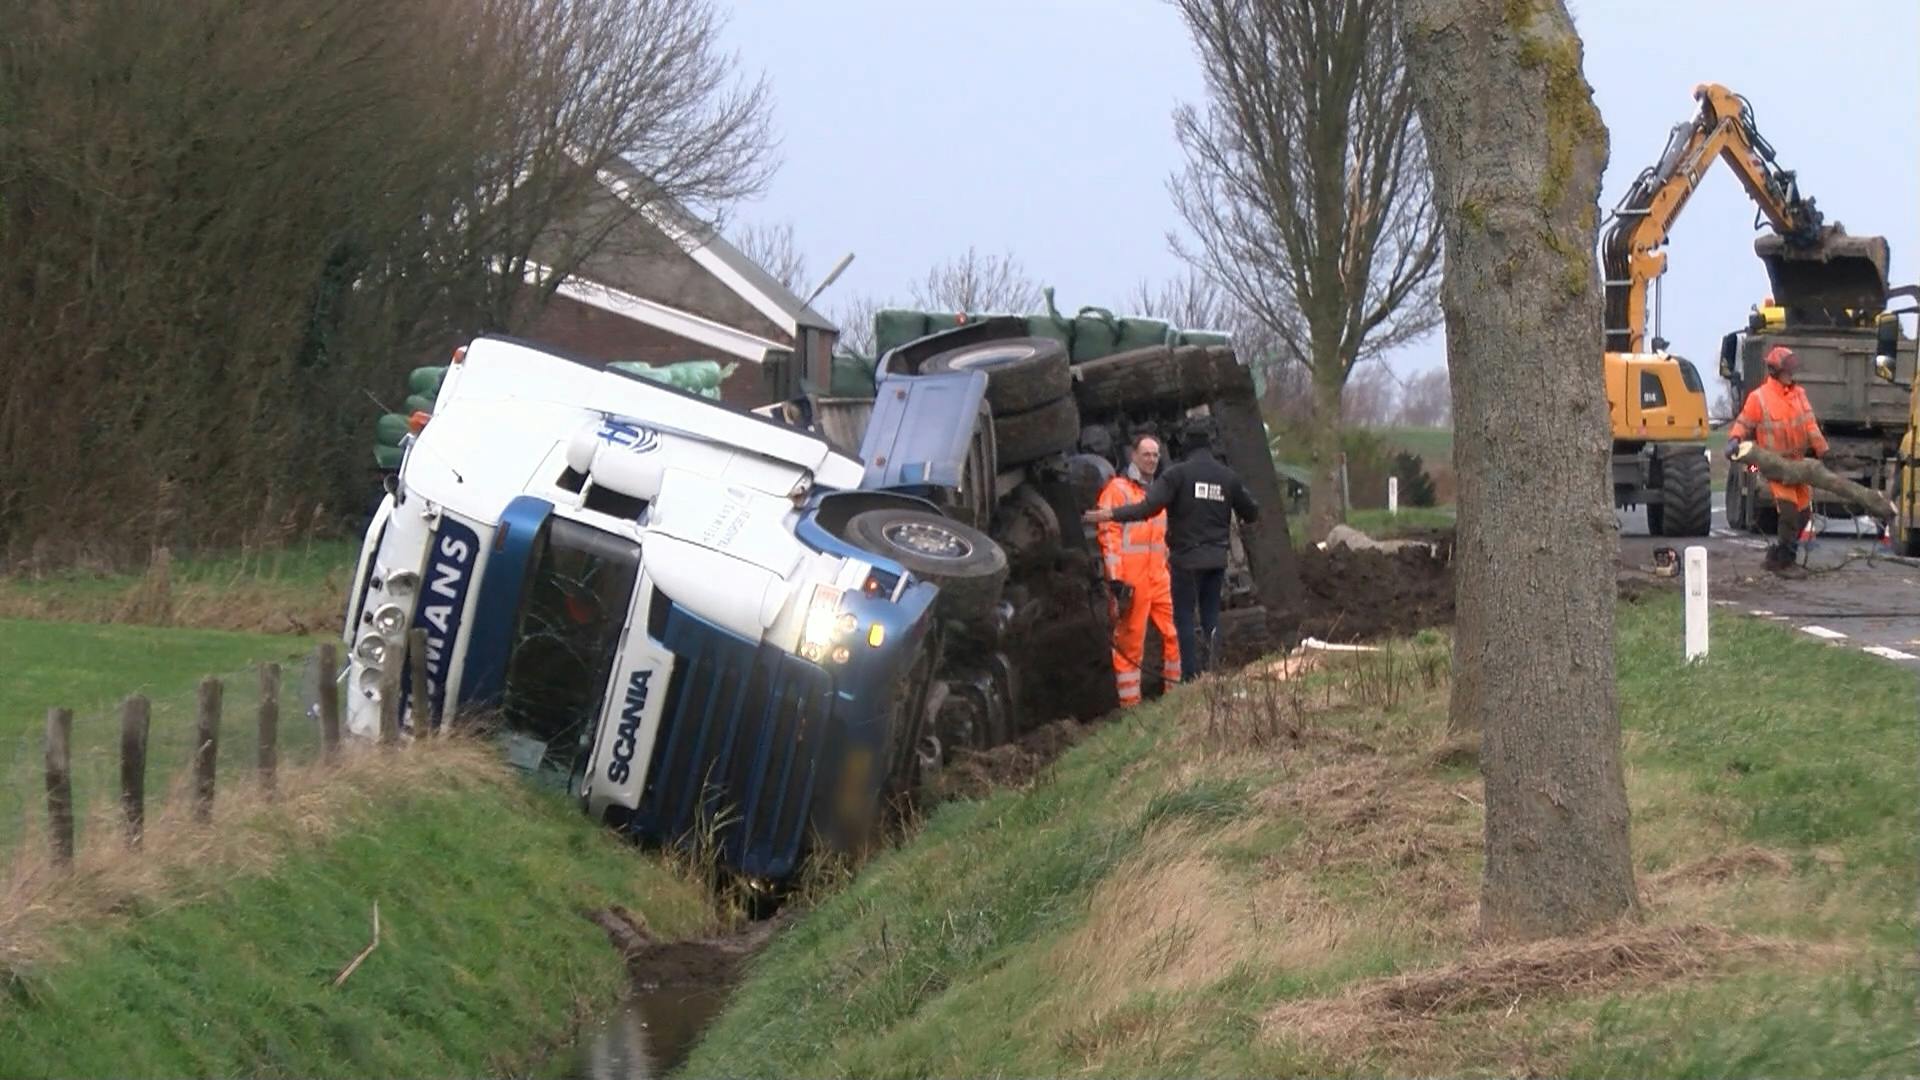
(1656, 399)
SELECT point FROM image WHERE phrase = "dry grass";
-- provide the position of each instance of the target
(1380, 1013)
(1167, 919)
(180, 860)
(251, 591)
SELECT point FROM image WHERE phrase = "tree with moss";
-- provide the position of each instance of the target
(1307, 194)
(1517, 149)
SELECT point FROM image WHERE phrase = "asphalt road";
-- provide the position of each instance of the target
(1856, 595)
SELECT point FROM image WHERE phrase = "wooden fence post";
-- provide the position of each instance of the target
(269, 725)
(135, 717)
(206, 749)
(417, 666)
(390, 704)
(329, 688)
(60, 784)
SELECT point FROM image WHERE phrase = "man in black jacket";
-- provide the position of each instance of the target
(1201, 496)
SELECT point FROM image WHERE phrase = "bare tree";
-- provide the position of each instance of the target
(1425, 400)
(1371, 396)
(773, 249)
(853, 314)
(222, 227)
(1533, 641)
(1306, 186)
(1191, 301)
(978, 284)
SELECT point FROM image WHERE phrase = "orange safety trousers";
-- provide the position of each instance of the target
(1136, 553)
(1779, 418)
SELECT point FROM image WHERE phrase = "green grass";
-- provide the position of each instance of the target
(90, 668)
(485, 965)
(1432, 445)
(1146, 909)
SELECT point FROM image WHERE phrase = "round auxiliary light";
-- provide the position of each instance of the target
(371, 650)
(390, 618)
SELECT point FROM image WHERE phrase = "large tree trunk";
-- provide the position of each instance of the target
(1326, 500)
(1517, 150)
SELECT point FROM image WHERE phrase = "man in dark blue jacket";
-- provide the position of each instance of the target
(1201, 496)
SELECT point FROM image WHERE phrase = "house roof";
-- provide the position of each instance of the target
(714, 252)
(715, 335)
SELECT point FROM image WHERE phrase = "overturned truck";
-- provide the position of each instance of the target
(760, 628)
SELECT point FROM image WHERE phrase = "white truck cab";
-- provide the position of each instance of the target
(632, 587)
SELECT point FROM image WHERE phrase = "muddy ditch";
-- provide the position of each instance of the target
(679, 986)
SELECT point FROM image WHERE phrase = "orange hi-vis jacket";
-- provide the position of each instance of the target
(1136, 551)
(1779, 418)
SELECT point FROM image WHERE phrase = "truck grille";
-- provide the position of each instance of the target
(742, 742)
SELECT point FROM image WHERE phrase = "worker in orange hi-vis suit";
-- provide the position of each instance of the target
(1136, 554)
(1778, 416)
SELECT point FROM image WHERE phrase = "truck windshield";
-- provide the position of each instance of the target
(579, 589)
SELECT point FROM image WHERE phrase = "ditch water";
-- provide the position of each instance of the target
(648, 1037)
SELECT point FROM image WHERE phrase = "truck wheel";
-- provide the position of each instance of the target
(1127, 380)
(1029, 436)
(968, 566)
(1023, 374)
(1026, 527)
(1686, 488)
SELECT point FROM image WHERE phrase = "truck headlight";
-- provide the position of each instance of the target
(371, 650)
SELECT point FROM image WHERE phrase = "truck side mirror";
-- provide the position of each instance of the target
(1729, 350)
(1886, 346)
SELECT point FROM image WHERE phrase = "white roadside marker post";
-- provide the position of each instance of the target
(1393, 496)
(1697, 603)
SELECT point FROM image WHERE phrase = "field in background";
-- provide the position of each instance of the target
(92, 668)
(297, 589)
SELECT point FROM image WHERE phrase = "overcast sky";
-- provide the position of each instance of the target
(911, 130)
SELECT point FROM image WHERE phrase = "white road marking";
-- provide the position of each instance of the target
(1891, 654)
(1823, 632)
(1762, 612)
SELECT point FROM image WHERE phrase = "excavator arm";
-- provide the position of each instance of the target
(1631, 257)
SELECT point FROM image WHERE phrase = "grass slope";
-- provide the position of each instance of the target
(90, 668)
(1279, 878)
(223, 964)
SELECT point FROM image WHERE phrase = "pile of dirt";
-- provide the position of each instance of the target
(1354, 595)
(975, 774)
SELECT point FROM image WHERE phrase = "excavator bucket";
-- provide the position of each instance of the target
(1839, 281)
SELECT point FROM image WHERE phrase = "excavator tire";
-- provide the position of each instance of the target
(1686, 488)
(1023, 374)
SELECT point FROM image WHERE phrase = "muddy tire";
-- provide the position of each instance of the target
(1155, 377)
(1026, 528)
(1029, 436)
(964, 562)
(1686, 487)
(1023, 374)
